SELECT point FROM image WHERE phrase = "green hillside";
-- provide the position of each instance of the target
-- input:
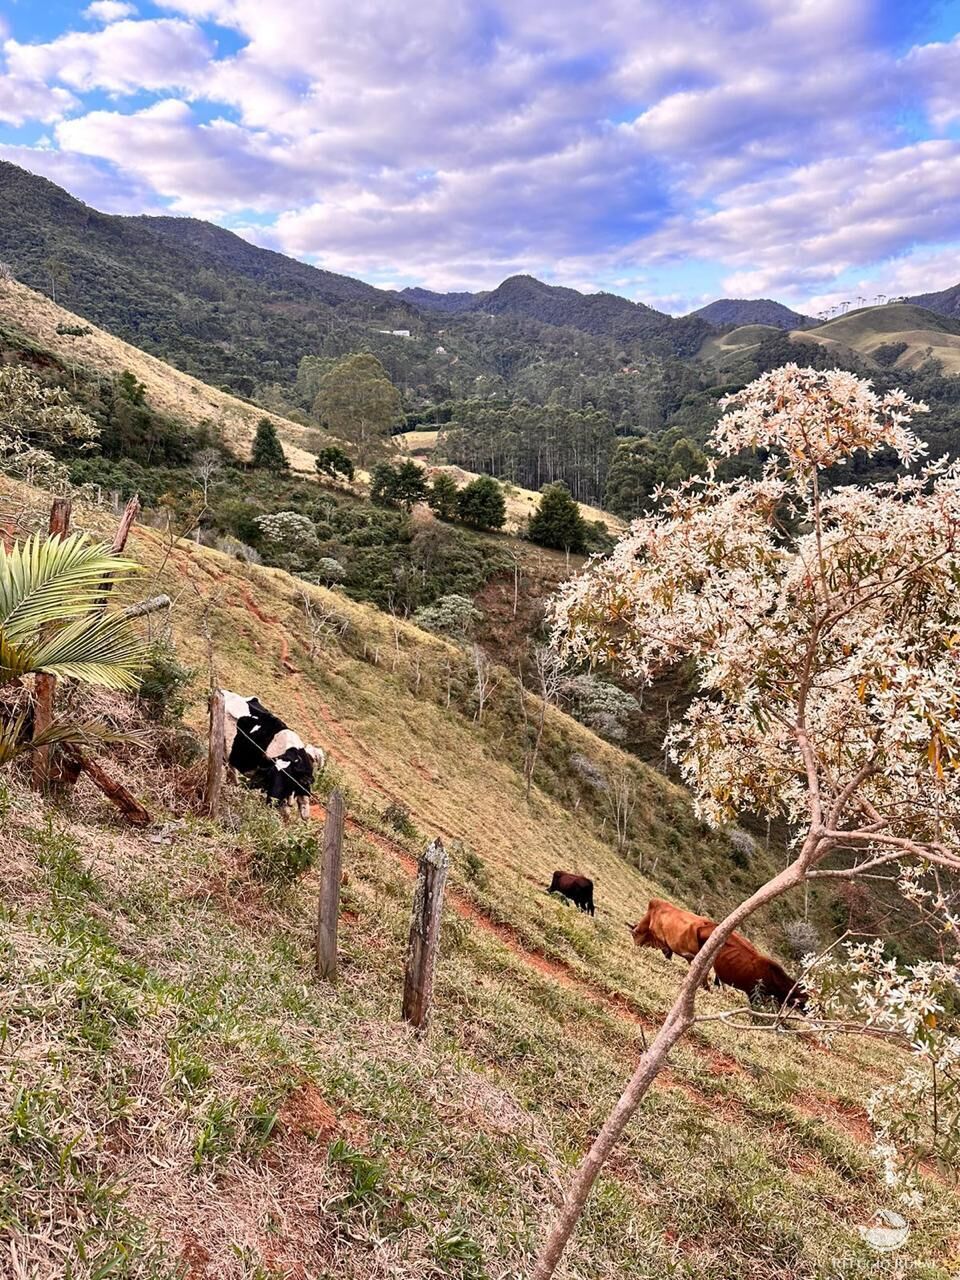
(183, 1099)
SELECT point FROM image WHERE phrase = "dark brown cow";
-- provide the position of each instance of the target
(740, 964)
(579, 889)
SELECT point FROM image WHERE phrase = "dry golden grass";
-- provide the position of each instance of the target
(176, 394)
(261, 1125)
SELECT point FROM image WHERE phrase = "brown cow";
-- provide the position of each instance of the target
(740, 964)
(671, 930)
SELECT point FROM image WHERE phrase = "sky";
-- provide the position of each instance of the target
(670, 151)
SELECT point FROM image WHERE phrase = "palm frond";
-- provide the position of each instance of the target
(13, 741)
(104, 650)
(49, 579)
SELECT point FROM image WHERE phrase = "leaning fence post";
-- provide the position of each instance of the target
(45, 686)
(215, 756)
(424, 936)
(328, 903)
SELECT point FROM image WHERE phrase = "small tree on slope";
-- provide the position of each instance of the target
(829, 665)
(267, 450)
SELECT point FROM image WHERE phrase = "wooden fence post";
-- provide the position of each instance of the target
(424, 936)
(45, 686)
(215, 756)
(328, 903)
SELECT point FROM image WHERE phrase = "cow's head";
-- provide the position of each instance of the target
(317, 755)
(642, 936)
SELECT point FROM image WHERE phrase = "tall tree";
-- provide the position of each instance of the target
(358, 402)
(828, 670)
(443, 495)
(267, 450)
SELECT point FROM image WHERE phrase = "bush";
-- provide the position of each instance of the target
(599, 705)
(328, 571)
(165, 683)
(231, 546)
(743, 847)
(452, 615)
(585, 769)
(282, 860)
(800, 938)
(397, 815)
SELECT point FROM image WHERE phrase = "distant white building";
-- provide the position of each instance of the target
(396, 333)
(441, 351)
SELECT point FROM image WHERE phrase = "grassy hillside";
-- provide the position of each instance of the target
(31, 315)
(729, 347)
(921, 334)
(181, 1098)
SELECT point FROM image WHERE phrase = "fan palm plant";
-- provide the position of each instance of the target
(51, 621)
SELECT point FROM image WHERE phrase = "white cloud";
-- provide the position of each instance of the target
(122, 58)
(23, 99)
(466, 141)
(109, 11)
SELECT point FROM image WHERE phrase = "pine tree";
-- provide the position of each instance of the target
(267, 449)
(481, 503)
(557, 521)
(443, 495)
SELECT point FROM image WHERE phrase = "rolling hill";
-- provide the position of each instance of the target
(185, 1099)
(752, 311)
(901, 335)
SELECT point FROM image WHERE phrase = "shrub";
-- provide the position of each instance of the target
(397, 815)
(452, 615)
(800, 938)
(165, 684)
(443, 495)
(332, 462)
(289, 533)
(231, 546)
(743, 847)
(588, 772)
(328, 571)
(282, 860)
(599, 705)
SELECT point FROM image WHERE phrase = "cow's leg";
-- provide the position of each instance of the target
(303, 806)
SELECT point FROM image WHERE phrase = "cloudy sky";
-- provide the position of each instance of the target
(670, 150)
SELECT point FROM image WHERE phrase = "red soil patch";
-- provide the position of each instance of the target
(306, 1112)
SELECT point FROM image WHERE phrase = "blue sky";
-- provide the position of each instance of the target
(668, 150)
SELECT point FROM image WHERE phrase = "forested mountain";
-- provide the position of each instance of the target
(945, 303)
(738, 311)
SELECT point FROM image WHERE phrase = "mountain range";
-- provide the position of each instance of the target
(239, 315)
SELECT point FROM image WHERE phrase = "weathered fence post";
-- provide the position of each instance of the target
(45, 686)
(424, 936)
(215, 756)
(328, 903)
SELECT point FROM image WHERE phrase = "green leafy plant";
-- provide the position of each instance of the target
(50, 622)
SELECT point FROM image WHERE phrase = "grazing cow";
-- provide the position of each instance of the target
(578, 889)
(740, 964)
(671, 930)
(271, 757)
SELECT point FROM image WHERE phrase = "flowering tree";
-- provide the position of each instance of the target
(825, 629)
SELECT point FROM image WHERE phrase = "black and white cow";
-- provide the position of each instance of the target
(270, 756)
